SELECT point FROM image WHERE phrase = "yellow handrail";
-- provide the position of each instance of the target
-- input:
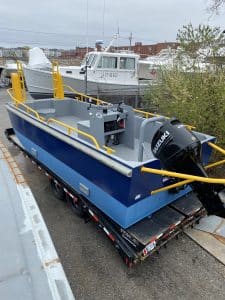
(183, 176)
(147, 114)
(187, 181)
(28, 109)
(216, 148)
(98, 101)
(171, 186)
(108, 149)
(70, 129)
(83, 96)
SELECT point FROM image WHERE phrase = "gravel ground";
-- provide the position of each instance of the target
(94, 268)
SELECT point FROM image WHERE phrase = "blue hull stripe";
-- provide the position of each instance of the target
(124, 216)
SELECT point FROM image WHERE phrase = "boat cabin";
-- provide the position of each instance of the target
(110, 61)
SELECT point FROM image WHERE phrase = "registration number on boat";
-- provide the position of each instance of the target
(110, 74)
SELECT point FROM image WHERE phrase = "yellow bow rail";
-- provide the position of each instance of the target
(71, 129)
(27, 108)
(188, 178)
(83, 97)
(51, 120)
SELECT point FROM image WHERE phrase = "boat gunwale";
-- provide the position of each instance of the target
(70, 76)
(91, 147)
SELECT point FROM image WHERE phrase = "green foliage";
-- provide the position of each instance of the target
(197, 97)
(196, 44)
(192, 39)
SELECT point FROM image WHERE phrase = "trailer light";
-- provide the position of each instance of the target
(149, 247)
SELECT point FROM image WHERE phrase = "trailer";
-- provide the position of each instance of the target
(139, 176)
(140, 240)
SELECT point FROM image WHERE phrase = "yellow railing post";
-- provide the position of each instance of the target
(21, 79)
(57, 82)
(18, 85)
(18, 91)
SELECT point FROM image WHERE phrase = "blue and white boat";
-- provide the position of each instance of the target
(99, 150)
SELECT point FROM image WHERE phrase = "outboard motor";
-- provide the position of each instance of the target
(179, 150)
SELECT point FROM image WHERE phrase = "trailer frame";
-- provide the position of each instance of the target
(140, 240)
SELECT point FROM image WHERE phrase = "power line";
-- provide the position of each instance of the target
(33, 31)
(74, 38)
(66, 34)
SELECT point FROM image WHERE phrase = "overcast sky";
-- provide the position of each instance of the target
(63, 24)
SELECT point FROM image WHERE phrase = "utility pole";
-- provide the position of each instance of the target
(86, 77)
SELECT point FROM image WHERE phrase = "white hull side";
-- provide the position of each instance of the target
(40, 82)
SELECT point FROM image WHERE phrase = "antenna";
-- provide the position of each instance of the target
(130, 39)
(115, 37)
(87, 32)
(87, 28)
(103, 21)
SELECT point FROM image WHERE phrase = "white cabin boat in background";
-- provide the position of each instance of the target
(109, 74)
(5, 72)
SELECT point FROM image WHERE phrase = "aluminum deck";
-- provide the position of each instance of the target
(121, 150)
(30, 266)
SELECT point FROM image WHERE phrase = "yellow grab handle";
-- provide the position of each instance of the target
(183, 176)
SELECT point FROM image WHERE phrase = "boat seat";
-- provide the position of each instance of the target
(85, 127)
(83, 124)
(46, 112)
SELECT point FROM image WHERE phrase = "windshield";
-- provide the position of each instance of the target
(127, 63)
(107, 62)
(89, 59)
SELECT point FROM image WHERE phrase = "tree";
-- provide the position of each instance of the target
(196, 44)
(216, 5)
(195, 96)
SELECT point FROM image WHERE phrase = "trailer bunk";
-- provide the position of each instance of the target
(140, 240)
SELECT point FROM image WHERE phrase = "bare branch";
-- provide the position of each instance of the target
(216, 6)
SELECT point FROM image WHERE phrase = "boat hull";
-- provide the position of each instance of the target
(39, 84)
(124, 198)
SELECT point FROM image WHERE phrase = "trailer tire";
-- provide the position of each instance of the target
(58, 191)
(76, 206)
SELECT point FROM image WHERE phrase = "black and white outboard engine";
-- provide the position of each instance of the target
(179, 150)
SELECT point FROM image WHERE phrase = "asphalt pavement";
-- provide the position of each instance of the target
(95, 270)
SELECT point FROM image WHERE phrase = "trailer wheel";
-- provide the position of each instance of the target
(58, 191)
(76, 205)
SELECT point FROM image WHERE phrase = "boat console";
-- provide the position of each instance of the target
(111, 125)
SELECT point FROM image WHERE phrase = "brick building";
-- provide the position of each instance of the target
(139, 48)
(79, 53)
(148, 50)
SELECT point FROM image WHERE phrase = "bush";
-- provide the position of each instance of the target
(196, 98)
